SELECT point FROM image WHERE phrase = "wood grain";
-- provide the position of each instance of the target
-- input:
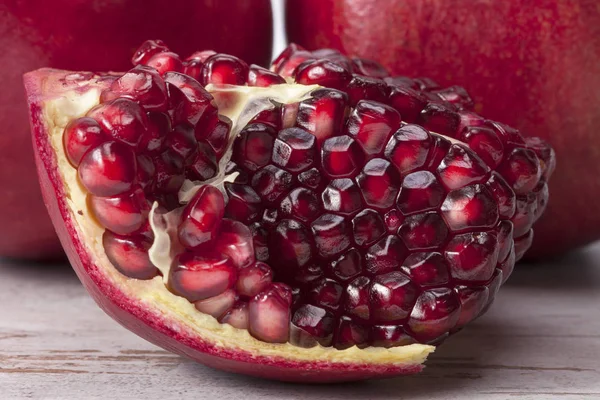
(541, 340)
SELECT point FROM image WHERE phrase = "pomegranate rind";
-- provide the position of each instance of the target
(146, 307)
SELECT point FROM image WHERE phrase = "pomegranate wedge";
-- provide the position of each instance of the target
(318, 222)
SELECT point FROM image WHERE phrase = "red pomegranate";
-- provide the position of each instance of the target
(532, 64)
(39, 33)
(320, 221)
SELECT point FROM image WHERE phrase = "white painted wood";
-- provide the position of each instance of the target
(540, 341)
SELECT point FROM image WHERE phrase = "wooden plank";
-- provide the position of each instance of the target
(541, 340)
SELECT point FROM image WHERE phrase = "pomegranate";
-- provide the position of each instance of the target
(262, 223)
(37, 33)
(534, 65)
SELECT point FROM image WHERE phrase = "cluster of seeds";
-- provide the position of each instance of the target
(381, 211)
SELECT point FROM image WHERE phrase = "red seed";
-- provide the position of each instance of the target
(372, 124)
(201, 217)
(81, 135)
(121, 214)
(269, 314)
(122, 119)
(223, 69)
(129, 255)
(108, 170)
(262, 77)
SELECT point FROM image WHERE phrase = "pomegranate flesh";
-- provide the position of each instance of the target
(293, 230)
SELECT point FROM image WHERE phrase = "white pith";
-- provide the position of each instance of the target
(152, 294)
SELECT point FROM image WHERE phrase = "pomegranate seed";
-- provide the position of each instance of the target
(201, 56)
(237, 316)
(390, 336)
(330, 234)
(420, 191)
(181, 141)
(164, 62)
(485, 143)
(545, 154)
(326, 293)
(504, 195)
(147, 50)
(129, 255)
(274, 116)
(290, 245)
(262, 77)
(521, 170)
(357, 302)
(302, 204)
(386, 255)
(141, 84)
(310, 178)
(201, 217)
(81, 135)
(244, 204)
(393, 219)
(408, 148)
(169, 172)
(440, 119)
(108, 170)
(254, 279)
(342, 196)
(289, 59)
(324, 73)
(347, 266)
(217, 305)
(341, 156)
(372, 124)
(260, 241)
(252, 150)
(334, 56)
(542, 195)
(509, 136)
(223, 69)
(524, 214)
(189, 100)
(370, 68)
(235, 241)
(123, 119)
(392, 297)
(203, 166)
(362, 88)
(294, 149)
(426, 269)
(473, 256)
(379, 183)
(159, 125)
(145, 171)
(122, 214)
(470, 207)
(311, 324)
(505, 239)
(423, 231)
(426, 84)
(461, 167)
(349, 333)
(472, 302)
(216, 134)
(435, 313)
(456, 95)
(408, 102)
(198, 277)
(323, 114)
(193, 67)
(271, 183)
(367, 227)
(269, 314)
(509, 264)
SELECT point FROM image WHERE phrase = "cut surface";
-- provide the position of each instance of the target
(175, 322)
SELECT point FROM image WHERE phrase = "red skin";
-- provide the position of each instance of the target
(532, 64)
(99, 38)
(143, 320)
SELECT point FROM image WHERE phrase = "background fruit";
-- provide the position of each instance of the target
(534, 65)
(105, 34)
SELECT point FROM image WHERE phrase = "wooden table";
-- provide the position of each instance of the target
(541, 340)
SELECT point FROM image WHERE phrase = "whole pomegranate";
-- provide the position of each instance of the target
(319, 221)
(532, 64)
(98, 35)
